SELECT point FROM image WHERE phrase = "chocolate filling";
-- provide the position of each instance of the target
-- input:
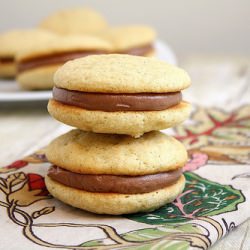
(139, 51)
(6, 60)
(117, 102)
(58, 58)
(114, 183)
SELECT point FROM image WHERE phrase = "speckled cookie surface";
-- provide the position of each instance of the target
(12, 42)
(130, 123)
(121, 74)
(64, 44)
(127, 37)
(90, 153)
(74, 20)
(112, 203)
(38, 78)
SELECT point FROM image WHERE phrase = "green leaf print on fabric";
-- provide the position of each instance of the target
(201, 197)
(163, 244)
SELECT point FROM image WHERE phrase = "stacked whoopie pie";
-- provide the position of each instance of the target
(116, 162)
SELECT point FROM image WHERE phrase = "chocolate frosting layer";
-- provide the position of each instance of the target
(114, 183)
(6, 59)
(117, 102)
(51, 59)
(60, 58)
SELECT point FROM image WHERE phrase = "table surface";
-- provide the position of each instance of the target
(26, 127)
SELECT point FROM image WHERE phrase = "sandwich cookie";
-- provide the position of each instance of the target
(74, 21)
(37, 64)
(12, 42)
(133, 40)
(115, 174)
(120, 94)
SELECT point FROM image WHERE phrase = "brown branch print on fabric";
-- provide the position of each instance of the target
(22, 190)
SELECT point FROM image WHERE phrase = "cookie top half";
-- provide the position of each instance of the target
(12, 42)
(116, 73)
(91, 153)
(74, 21)
(127, 37)
(61, 44)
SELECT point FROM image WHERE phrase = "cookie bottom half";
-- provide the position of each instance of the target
(134, 123)
(7, 70)
(114, 203)
(37, 78)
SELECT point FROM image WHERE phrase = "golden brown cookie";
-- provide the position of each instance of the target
(131, 123)
(90, 153)
(12, 42)
(113, 203)
(74, 21)
(120, 94)
(7, 68)
(40, 78)
(121, 74)
(37, 64)
(133, 40)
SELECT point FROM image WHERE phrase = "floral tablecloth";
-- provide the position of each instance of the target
(214, 202)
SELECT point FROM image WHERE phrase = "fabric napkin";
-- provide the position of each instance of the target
(215, 199)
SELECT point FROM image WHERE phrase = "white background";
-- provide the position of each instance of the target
(189, 26)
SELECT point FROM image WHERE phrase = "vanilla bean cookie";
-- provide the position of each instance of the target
(37, 64)
(12, 42)
(74, 21)
(115, 174)
(119, 94)
(133, 40)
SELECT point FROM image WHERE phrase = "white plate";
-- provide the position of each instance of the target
(10, 91)
(164, 52)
